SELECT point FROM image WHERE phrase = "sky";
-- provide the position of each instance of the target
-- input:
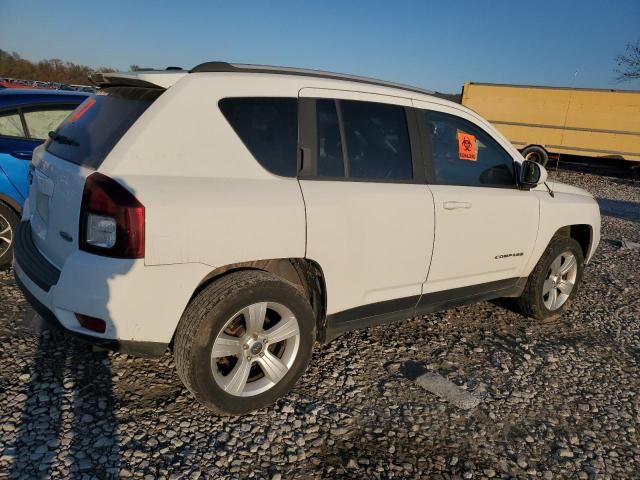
(435, 45)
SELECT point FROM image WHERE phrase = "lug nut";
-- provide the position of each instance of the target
(245, 346)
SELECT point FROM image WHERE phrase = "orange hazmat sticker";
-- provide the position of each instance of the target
(467, 147)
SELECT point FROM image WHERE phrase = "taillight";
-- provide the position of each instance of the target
(111, 219)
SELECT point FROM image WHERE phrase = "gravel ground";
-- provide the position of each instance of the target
(558, 399)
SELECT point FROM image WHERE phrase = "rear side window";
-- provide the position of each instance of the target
(464, 154)
(87, 135)
(377, 140)
(40, 122)
(330, 157)
(10, 124)
(269, 129)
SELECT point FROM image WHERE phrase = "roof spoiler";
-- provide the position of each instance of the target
(142, 78)
(103, 80)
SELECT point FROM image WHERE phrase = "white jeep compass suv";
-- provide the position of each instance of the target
(237, 214)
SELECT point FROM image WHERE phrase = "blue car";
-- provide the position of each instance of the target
(26, 117)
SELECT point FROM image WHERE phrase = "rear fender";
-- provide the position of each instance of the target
(9, 195)
(15, 172)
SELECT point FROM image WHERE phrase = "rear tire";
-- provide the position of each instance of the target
(8, 223)
(225, 366)
(554, 281)
(536, 154)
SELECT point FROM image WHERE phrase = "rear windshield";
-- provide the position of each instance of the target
(89, 133)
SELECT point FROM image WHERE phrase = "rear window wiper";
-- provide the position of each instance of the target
(56, 137)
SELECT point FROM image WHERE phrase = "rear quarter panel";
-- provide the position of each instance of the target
(207, 199)
(16, 172)
(12, 186)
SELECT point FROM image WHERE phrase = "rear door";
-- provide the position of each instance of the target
(369, 212)
(61, 167)
(15, 153)
(486, 225)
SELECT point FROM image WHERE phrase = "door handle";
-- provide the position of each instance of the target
(456, 205)
(22, 155)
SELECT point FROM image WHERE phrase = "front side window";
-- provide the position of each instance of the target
(11, 125)
(377, 141)
(269, 129)
(464, 154)
(41, 122)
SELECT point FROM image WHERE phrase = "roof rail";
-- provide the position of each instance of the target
(247, 68)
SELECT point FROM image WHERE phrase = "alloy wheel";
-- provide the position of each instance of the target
(255, 349)
(560, 281)
(6, 235)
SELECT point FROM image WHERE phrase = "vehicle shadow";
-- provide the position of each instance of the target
(620, 209)
(68, 426)
(603, 166)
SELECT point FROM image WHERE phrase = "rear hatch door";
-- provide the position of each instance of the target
(75, 150)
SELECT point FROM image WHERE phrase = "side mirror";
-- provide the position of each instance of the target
(532, 174)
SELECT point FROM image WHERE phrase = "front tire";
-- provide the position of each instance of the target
(244, 341)
(554, 281)
(8, 223)
(536, 154)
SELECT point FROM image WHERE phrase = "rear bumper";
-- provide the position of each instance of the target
(142, 349)
(34, 265)
(56, 295)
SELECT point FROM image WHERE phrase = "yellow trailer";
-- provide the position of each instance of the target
(559, 120)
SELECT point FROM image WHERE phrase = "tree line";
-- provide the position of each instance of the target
(12, 65)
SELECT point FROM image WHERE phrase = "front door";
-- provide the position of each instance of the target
(485, 224)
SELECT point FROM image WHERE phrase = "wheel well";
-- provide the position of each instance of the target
(580, 233)
(12, 204)
(305, 275)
